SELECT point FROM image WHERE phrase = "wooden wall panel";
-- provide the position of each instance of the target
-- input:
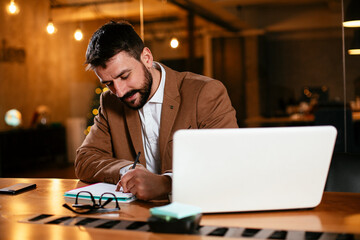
(52, 73)
(228, 67)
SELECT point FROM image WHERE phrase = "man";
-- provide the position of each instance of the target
(146, 104)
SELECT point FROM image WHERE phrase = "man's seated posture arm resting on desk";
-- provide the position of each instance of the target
(146, 104)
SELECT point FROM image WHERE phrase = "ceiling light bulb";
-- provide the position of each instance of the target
(78, 35)
(355, 23)
(50, 28)
(174, 43)
(13, 8)
(354, 51)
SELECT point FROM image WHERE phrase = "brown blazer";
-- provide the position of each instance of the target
(190, 101)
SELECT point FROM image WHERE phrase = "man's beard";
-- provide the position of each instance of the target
(144, 91)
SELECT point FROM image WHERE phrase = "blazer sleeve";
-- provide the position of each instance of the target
(214, 109)
(95, 160)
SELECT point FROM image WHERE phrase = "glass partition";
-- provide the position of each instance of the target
(351, 74)
(297, 71)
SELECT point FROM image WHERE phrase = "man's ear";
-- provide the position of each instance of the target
(147, 57)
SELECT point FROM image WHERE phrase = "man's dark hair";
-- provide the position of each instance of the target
(109, 40)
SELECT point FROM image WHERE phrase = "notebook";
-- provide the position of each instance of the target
(97, 189)
(252, 169)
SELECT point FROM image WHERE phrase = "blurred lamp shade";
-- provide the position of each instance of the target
(352, 14)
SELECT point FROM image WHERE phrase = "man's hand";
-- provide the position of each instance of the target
(144, 184)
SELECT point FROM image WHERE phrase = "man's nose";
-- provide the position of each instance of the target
(120, 88)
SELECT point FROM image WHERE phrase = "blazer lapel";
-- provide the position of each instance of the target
(169, 110)
(134, 126)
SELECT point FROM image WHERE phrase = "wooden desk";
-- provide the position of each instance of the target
(338, 212)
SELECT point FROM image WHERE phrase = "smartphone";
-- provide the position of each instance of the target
(17, 188)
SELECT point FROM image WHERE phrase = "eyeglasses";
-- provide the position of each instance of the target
(95, 207)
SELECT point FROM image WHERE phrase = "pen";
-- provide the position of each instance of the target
(136, 160)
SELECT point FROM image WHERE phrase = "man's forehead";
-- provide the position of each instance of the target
(120, 60)
(113, 71)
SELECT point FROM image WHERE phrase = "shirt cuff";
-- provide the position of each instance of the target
(169, 174)
(125, 169)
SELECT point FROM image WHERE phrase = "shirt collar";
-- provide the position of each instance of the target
(159, 94)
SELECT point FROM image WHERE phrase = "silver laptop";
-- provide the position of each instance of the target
(252, 169)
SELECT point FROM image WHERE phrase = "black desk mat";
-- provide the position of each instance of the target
(226, 232)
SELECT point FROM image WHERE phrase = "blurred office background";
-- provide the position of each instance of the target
(284, 63)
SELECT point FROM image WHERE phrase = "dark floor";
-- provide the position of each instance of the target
(51, 172)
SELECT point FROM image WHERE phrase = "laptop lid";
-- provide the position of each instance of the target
(252, 169)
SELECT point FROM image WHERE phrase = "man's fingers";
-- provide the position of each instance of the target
(118, 186)
(139, 166)
(130, 185)
(133, 190)
(125, 180)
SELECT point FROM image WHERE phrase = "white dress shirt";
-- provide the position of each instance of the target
(150, 116)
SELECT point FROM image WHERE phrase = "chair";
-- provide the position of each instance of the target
(344, 173)
(334, 115)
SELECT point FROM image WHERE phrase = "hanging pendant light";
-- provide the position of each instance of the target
(50, 28)
(12, 8)
(174, 42)
(78, 35)
(352, 14)
(355, 44)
